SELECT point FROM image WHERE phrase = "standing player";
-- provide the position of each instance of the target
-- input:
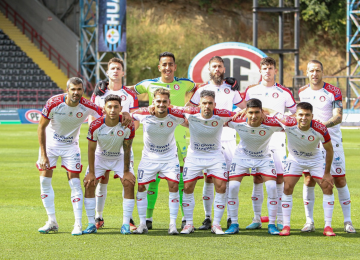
(109, 149)
(58, 133)
(159, 155)
(225, 98)
(129, 103)
(304, 135)
(205, 153)
(274, 98)
(253, 152)
(327, 102)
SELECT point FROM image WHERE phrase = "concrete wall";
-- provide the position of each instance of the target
(54, 32)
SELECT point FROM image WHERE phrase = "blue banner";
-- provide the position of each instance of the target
(29, 116)
(112, 26)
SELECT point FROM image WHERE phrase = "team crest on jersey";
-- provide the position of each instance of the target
(120, 133)
(170, 124)
(123, 97)
(227, 91)
(214, 123)
(70, 114)
(176, 87)
(322, 98)
(275, 95)
(178, 176)
(79, 115)
(262, 132)
(338, 170)
(226, 175)
(77, 166)
(311, 138)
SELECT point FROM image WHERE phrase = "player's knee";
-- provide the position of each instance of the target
(271, 188)
(340, 182)
(258, 179)
(327, 188)
(90, 192)
(234, 187)
(288, 188)
(173, 186)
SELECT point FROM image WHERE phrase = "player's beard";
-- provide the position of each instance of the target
(218, 80)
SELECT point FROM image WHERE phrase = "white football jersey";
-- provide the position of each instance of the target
(322, 101)
(159, 140)
(276, 98)
(65, 121)
(225, 98)
(109, 139)
(129, 98)
(254, 141)
(205, 134)
(304, 145)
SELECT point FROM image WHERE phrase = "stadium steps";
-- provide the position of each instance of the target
(33, 52)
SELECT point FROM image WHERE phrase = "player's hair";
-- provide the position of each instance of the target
(268, 61)
(305, 106)
(317, 62)
(254, 102)
(166, 54)
(113, 97)
(162, 91)
(74, 81)
(216, 58)
(116, 60)
(207, 93)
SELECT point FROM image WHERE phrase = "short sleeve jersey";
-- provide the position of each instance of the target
(322, 101)
(304, 145)
(109, 139)
(225, 98)
(178, 89)
(129, 98)
(65, 121)
(159, 140)
(205, 134)
(254, 141)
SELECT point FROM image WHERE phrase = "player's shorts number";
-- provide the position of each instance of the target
(185, 171)
(140, 174)
(232, 167)
(287, 167)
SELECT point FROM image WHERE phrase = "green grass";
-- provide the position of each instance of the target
(22, 213)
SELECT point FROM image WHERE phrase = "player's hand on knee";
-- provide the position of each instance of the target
(90, 179)
(44, 163)
(100, 88)
(128, 176)
(328, 179)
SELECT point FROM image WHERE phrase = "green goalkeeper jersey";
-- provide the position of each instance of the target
(178, 89)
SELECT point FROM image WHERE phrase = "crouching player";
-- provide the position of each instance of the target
(106, 137)
(253, 152)
(205, 153)
(304, 135)
(159, 155)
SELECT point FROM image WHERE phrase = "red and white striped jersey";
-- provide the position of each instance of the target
(322, 101)
(254, 141)
(304, 145)
(65, 121)
(159, 140)
(109, 139)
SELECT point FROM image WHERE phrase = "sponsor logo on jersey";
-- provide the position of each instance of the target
(76, 200)
(322, 98)
(120, 133)
(254, 198)
(70, 114)
(43, 196)
(252, 132)
(262, 132)
(161, 124)
(170, 124)
(338, 170)
(214, 123)
(220, 206)
(273, 202)
(227, 91)
(79, 115)
(112, 133)
(337, 159)
(275, 95)
(285, 205)
(176, 87)
(150, 192)
(311, 138)
(303, 137)
(231, 202)
(123, 97)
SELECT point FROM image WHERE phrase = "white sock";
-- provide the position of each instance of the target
(48, 197)
(89, 204)
(188, 207)
(76, 199)
(257, 199)
(208, 198)
(128, 207)
(272, 200)
(100, 195)
(226, 198)
(345, 202)
(279, 189)
(309, 201)
(233, 201)
(286, 204)
(174, 199)
(219, 207)
(328, 205)
(141, 203)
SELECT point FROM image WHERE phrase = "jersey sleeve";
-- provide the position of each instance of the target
(237, 98)
(139, 114)
(93, 129)
(189, 84)
(195, 99)
(225, 115)
(142, 87)
(50, 106)
(285, 121)
(134, 103)
(290, 102)
(131, 133)
(178, 114)
(322, 129)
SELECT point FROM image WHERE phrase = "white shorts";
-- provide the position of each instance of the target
(337, 166)
(70, 159)
(241, 167)
(295, 169)
(214, 168)
(279, 155)
(147, 171)
(103, 165)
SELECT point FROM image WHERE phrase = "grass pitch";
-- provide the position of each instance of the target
(22, 213)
